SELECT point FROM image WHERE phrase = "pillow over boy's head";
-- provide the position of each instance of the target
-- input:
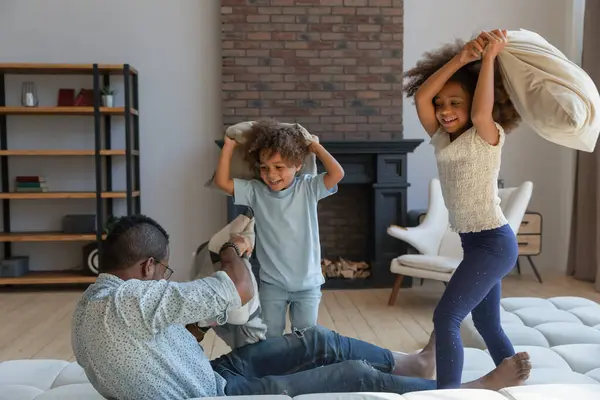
(268, 137)
(250, 134)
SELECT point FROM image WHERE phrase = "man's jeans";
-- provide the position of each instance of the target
(314, 361)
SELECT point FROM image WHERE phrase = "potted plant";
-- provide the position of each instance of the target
(108, 96)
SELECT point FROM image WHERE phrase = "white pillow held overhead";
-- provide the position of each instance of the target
(553, 95)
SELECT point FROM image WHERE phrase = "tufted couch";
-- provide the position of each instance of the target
(562, 335)
(61, 380)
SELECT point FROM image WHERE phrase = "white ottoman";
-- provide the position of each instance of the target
(561, 334)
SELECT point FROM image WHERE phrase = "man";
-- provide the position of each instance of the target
(129, 335)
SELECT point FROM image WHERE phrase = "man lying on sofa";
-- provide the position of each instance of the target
(129, 335)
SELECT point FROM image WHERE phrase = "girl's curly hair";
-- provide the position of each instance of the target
(504, 112)
(269, 137)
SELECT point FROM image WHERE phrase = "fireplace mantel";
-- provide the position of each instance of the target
(366, 146)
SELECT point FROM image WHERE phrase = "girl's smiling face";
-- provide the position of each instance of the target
(453, 107)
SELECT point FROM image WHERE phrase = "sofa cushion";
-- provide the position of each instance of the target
(559, 333)
(350, 396)
(19, 392)
(455, 394)
(582, 358)
(76, 391)
(263, 397)
(552, 392)
(72, 373)
(40, 374)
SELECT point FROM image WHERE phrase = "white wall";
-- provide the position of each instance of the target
(431, 23)
(175, 45)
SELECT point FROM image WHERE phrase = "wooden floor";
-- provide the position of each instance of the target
(35, 323)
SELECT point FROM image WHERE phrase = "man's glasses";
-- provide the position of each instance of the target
(168, 271)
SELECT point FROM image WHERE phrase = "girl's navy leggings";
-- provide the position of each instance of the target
(474, 288)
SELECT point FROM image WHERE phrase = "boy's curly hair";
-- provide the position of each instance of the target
(504, 112)
(269, 137)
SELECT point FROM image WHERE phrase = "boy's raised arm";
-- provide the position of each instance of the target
(222, 176)
(333, 169)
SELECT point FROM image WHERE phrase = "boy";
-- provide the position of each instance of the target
(285, 209)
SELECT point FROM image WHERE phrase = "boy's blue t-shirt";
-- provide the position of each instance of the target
(287, 228)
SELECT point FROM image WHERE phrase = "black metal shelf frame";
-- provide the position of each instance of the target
(101, 131)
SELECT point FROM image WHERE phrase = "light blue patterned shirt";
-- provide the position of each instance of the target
(130, 336)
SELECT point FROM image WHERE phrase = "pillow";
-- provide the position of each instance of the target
(244, 325)
(206, 263)
(241, 170)
(553, 95)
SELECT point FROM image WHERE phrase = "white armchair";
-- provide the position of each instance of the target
(439, 247)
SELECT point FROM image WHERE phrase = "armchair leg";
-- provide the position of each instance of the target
(518, 266)
(395, 290)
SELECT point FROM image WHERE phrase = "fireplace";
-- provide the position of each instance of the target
(353, 222)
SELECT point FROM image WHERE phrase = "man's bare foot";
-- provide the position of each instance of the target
(513, 371)
(418, 365)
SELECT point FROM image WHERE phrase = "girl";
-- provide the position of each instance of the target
(285, 208)
(466, 111)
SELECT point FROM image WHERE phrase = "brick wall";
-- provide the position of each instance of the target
(334, 66)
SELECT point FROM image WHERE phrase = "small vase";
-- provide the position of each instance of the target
(107, 100)
(29, 95)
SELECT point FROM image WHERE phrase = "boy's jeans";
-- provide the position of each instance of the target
(304, 308)
(314, 361)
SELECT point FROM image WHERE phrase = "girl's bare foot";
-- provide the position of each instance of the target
(418, 365)
(513, 371)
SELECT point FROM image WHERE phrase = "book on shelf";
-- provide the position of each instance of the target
(30, 178)
(31, 184)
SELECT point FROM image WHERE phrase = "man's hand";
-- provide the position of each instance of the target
(243, 243)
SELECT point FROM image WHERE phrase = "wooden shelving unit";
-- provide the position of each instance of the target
(37, 153)
(45, 237)
(102, 153)
(49, 278)
(64, 195)
(64, 111)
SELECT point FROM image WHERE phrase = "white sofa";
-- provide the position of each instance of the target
(62, 380)
(562, 335)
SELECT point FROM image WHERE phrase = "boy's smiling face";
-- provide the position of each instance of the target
(276, 172)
